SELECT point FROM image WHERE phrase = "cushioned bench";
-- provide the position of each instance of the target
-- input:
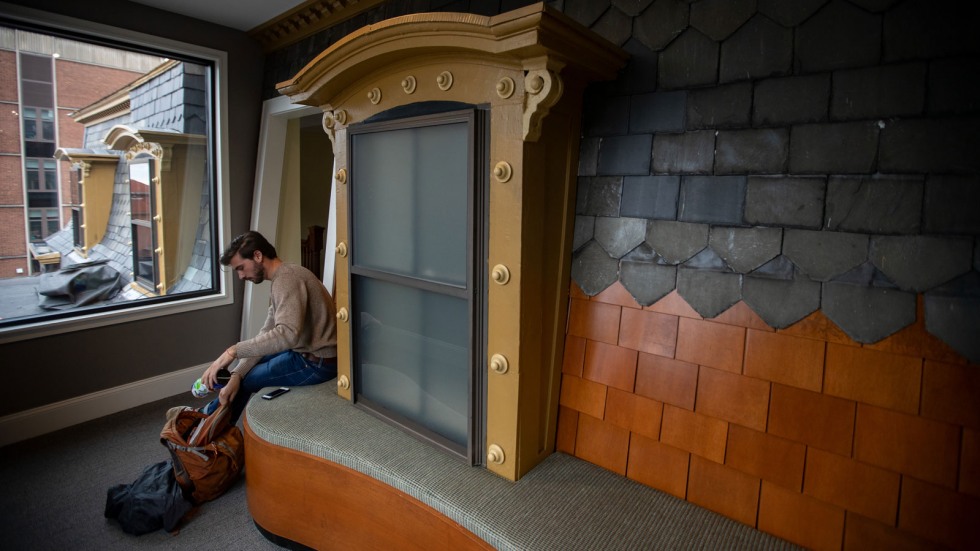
(326, 474)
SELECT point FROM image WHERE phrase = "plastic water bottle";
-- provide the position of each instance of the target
(199, 389)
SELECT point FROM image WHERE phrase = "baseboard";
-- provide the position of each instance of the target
(51, 417)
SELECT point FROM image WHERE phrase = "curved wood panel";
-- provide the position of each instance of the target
(324, 505)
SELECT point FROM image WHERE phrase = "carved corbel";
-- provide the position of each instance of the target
(166, 156)
(331, 121)
(86, 167)
(542, 90)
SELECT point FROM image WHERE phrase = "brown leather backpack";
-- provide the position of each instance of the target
(208, 452)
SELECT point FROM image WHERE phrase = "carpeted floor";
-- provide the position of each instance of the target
(53, 489)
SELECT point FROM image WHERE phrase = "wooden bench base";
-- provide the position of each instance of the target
(323, 505)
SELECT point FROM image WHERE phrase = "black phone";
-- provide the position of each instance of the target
(275, 393)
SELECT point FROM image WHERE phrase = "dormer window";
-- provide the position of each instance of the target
(518, 67)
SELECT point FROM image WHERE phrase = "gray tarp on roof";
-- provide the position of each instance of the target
(80, 284)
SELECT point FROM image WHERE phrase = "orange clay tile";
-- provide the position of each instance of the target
(800, 519)
(766, 456)
(712, 344)
(811, 418)
(634, 413)
(741, 315)
(618, 295)
(735, 398)
(786, 359)
(878, 378)
(674, 305)
(583, 395)
(951, 393)
(861, 533)
(658, 465)
(970, 463)
(610, 365)
(698, 434)
(818, 326)
(567, 429)
(927, 450)
(594, 321)
(573, 360)
(723, 490)
(852, 485)
(648, 332)
(939, 514)
(666, 380)
(603, 444)
(574, 291)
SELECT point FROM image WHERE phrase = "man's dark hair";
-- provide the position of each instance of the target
(245, 245)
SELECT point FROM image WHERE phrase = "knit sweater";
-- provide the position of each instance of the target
(302, 317)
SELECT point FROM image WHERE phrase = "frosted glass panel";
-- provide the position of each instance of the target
(409, 190)
(411, 352)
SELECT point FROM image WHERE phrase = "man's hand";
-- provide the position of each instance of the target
(227, 394)
(210, 376)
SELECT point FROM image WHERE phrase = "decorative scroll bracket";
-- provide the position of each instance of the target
(542, 90)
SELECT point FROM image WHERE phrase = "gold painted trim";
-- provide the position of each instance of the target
(307, 19)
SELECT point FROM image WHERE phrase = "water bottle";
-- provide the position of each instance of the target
(200, 390)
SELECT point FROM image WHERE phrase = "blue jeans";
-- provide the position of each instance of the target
(287, 368)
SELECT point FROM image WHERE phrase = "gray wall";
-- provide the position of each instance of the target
(55, 368)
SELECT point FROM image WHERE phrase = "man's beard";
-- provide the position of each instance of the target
(259, 274)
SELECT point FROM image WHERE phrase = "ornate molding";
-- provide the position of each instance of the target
(542, 90)
(307, 19)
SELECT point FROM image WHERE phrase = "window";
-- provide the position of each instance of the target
(416, 201)
(42, 174)
(38, 124)
(141, 206)
(122, 100)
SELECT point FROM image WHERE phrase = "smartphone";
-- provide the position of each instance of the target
(275, 393)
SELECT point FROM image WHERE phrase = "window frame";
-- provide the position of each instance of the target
(33, 20)
(475, 290)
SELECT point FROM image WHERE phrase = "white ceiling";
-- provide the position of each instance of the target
(243, 15)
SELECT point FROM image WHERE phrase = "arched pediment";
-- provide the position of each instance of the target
(526, 55)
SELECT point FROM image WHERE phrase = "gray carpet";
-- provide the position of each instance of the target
(53, 489)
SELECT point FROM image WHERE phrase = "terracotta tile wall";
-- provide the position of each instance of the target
(801, 432)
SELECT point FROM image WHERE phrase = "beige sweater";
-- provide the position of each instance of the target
(302, 317)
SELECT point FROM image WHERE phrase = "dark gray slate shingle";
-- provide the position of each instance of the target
(952, 313)
(709, 293)
(785, 201)
(676, 242)
(690, 60)
(647, 282)
(745, 249)
(874, 205)
(781, 303)
(593, 270)
(653, 197)
(760, 49)
(687, 153)
(823, 255)
(918, 262)
(712, 199)
(867, 314)
(752, 151)
(725, 106)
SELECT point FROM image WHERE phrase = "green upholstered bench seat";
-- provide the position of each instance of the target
(563, 503)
